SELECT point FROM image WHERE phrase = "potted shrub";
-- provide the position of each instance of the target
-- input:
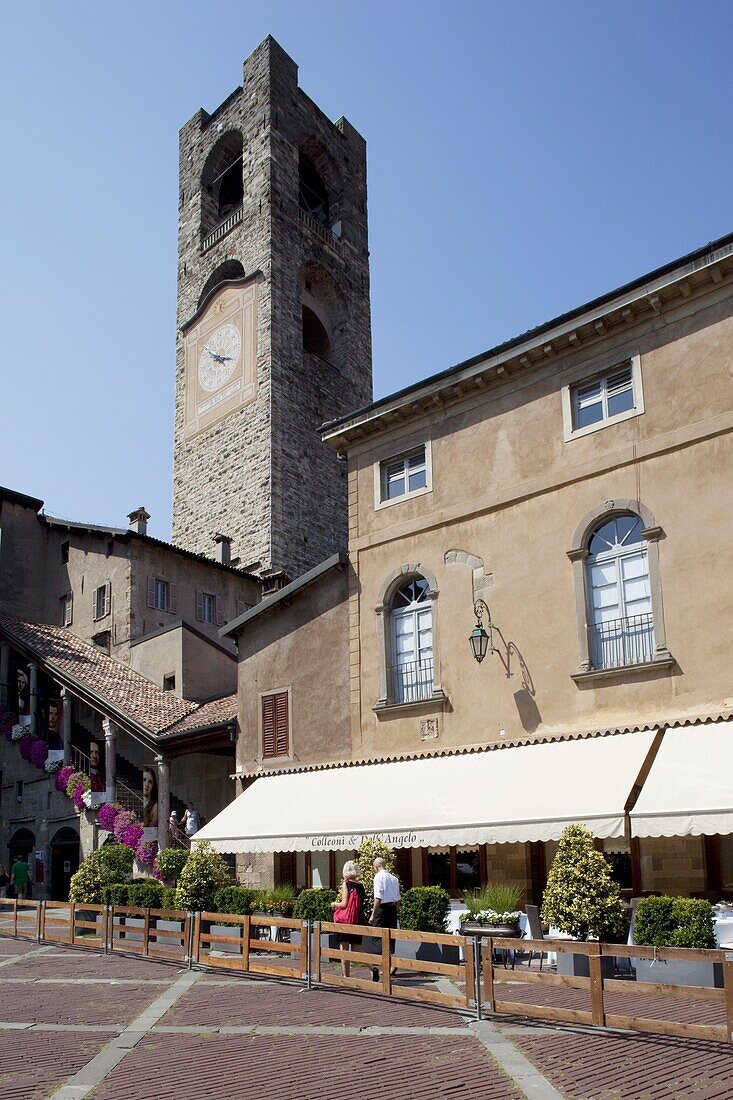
(492, 911)
(315, 904)
(232, 899)
(582, 899)
(205, 872)
(425, 909)
(676, 922)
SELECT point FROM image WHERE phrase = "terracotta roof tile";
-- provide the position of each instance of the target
(114, 682)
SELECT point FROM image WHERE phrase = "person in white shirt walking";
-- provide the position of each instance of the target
(386, 899)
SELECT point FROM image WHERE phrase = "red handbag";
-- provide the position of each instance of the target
(352, 913)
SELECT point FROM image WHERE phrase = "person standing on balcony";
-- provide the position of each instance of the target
(191, 820)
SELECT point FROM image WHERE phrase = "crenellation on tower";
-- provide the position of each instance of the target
(273, 271)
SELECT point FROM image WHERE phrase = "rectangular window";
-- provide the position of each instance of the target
(169, 682)
(161, 594)
(402, 476)
(209, 609)
(102, 601)
(67, 609)
(241, 607)
(275, 725)
(603, 399)
(64, 552)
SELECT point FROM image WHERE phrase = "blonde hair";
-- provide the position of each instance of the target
(351, 869)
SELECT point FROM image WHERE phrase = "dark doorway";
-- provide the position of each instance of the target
(22, 843)
(64, 862)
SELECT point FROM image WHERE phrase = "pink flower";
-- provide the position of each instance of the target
(26, 746)
(107, 816)
(147, 851)
(78, 797)
(132, 834)
(63, 777)
(123, 819)
(39, 752)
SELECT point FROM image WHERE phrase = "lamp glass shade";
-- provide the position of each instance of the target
(479, 642)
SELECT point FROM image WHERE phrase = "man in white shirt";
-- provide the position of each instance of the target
(386, 899)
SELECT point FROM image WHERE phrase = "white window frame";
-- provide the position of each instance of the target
(585, 378)
(102, 601)
(165, 586)
(404, 453)
(67, 609)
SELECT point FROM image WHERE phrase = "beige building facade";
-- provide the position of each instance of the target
(577, 482)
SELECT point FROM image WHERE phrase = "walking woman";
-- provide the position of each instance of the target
(349, 909)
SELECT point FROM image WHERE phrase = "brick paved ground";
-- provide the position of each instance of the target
(75, 1023)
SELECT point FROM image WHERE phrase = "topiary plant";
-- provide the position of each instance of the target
(205, 873)
(146, 894)
(234, 899)
(116, 862)
(170, 862)
(116, 894)
(675, 922)
(581, 898)
(315, 904)
(425, 909)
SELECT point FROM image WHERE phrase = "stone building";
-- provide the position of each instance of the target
(274, 320)
(564, 499)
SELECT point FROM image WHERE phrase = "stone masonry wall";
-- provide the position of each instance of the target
(262, 475)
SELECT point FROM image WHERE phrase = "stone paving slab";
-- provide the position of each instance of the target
(33, 1062)
(245, 1067)
(588, 1065)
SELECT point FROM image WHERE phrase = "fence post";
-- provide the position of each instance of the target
(308, 929)
(15, 917)
(39, 913)
(192, 917)
(146, 931)
(728, 988)
(246, 935)
(105, 945)
(386, 962)
(477, 974)
(72, 919)
(596, 985)
(316, 956)
(487, 952)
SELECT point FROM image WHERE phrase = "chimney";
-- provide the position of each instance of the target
(139, 521)
(223, 552)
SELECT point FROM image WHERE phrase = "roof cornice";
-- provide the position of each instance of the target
(692, 276)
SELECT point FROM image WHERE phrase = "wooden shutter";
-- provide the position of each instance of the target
(107, 597)
(70, 609)
(151, 591)
(219, 612)
(95, 605)
(172, 597)
(282, 738)
(199, 605)
(269, 739)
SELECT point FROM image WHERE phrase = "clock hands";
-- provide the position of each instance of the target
(217, 358)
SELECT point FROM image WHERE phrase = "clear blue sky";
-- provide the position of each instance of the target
(523, 158)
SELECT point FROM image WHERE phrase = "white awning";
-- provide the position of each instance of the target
(689, 789)
(515, 794)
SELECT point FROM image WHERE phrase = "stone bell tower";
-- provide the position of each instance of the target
(274, 326)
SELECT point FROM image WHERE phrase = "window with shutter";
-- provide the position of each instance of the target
(603, 399)
(199, 606)
(151, 591)
(275, 725)
(107, 598)
(219, 612)
(173, 597)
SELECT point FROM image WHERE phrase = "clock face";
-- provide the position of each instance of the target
(220, 357)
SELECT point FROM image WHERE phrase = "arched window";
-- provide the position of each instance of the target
(410, 673)
(312, 191)
(222, 181)
(315, 337)
(621, 621)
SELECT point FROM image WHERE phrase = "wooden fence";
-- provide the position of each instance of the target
(279, 947)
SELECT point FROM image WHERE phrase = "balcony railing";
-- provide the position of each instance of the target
(125, 797)
(222, 229)
(319, 229)
(410, 682)
(621, 642)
